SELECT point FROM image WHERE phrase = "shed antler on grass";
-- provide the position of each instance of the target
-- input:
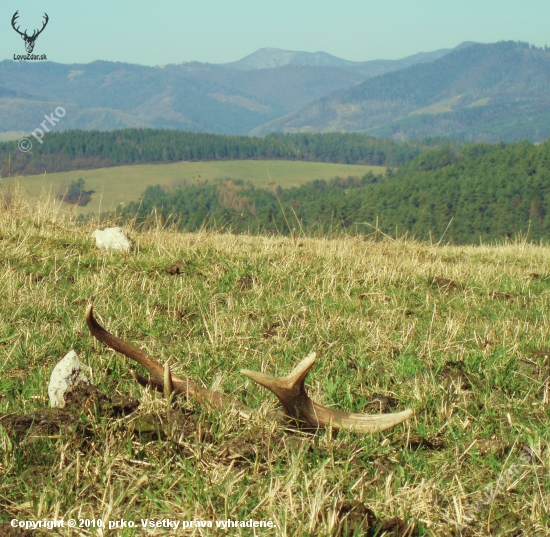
(290, 390)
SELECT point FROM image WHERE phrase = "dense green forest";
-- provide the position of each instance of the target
(487, 192)
(483, 92)
(75, 150)
(508, 122)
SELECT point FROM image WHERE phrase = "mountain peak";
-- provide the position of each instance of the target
(268, 57)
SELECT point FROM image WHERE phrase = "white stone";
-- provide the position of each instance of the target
(114, 238)
(65, 375)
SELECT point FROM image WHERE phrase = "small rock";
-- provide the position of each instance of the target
(114, 238)
(65, 375)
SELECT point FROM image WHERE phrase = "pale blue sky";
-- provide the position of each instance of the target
(217, 31)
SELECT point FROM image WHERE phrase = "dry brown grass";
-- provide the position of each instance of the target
(459, 334)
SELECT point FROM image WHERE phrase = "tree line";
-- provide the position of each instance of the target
(76, 150)
(487, 192)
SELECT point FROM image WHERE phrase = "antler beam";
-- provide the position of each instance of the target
(13, 21)
(180, 385)
(290, 390)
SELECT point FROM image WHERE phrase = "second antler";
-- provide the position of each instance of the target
(290, 390)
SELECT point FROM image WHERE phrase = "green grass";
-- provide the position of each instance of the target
(126, 183)
(459, 334)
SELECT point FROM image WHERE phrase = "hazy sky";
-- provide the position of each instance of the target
(217, 31)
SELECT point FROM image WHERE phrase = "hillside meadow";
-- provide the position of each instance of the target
(124, 184)
(458, 334)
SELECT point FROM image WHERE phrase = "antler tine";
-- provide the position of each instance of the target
(46, 19)
(168, 383)
(36, 33)
(157, 372)
(290, 389)
(292, 394)
(14, 20)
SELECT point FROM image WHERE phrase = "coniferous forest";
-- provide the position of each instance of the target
(481, 192)
(76, 150)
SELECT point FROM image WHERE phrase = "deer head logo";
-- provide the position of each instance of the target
(29, 39)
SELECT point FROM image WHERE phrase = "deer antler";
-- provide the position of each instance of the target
(29, 39)
(13, 21)
(180, 385)
(36, 33)
(292, 394)
(290, 390)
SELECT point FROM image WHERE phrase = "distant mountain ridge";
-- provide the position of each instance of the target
(491, 92)
(270, 58)
(192, 96)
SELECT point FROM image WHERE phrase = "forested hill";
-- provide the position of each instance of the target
(225, 99)
(479, 192)
(74, 150)
(494, 92)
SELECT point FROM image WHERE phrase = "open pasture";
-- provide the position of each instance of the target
(461, 335)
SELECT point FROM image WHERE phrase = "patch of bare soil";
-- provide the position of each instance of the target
(445, 285)
(271, 329)
(82, 398)
(452, 373)
(246, 282)
(42, 422)
(494, 446)
(380, 404)
(540, 353)
(355, 518)
(434, 443)
(178, 267)
(498, 295)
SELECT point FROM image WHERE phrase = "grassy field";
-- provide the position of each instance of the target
(459, 334)
(126, 183)
(8, 136)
